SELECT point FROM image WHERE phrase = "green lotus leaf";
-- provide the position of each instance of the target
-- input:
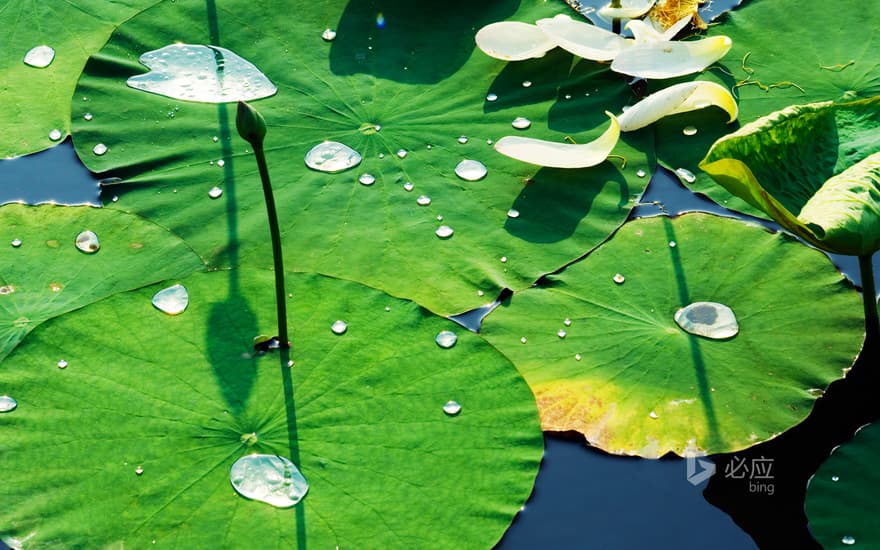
(841, 505)
(46, 275)
(813, 168)
(37, 100)
(623, 373)
(133, 441)
(380, 101)
(817, 56)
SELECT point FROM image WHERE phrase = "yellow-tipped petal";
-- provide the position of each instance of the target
(582, 39)
(628, 9)
(513, 41)
(644, 31)
(671, 59)
(561, 155)
(680, 98)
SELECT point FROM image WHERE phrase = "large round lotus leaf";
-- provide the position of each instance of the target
(822, 54)
(626, 376)
(182, 398)
(46, 275)
(841, 499)
(366, 98)
(37, 100)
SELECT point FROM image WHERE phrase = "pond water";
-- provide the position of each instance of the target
(583, 497)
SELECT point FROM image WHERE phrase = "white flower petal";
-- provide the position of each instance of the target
(628, 9)
(513, 41)
(645, 31)
(561, 155)
(680, 98)
(582, 39)
(671, 59)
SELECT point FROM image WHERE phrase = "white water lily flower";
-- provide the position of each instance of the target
(628, 9)
(513, 41)
(561, 155)
(670, 59)
(583, 39)
(646, 32)
(680, 98)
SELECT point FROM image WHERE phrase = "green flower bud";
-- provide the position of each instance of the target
(250, 124)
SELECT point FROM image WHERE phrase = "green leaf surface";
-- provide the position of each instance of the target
(35, 100)
(841, 501)
(813, 168)
(779, 60)
(342, 90)
(360, 413)
(47, 275)
(626, 376)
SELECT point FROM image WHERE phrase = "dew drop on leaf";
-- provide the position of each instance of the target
(618, 278)
(55, 134)
(462, 139)
(471, 170)
(446, 339)
(527, 83)
(367, 179)
(99, 149)
(686, 175)
(87, 242)
(444, 232)
(62, 364)
(172, 300)
(332, 157)
(16, 243)
(7, 403)
(272, 479)
(848, 540)
(423, 200)
(401, 153)
(709, 319)
(521, 123)
(492, 97)
(88, 116)
(215, 192)
(408, 186)
(39, 57)
(452, 408)
(339, 327)
(513, 213)
(329, 35)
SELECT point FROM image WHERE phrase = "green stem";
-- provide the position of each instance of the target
(869, 298)
(280, 294)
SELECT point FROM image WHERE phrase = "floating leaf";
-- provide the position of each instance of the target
(813, 168)
(146, 422)
(671, 59)
(561, 155)
(46, 275)
(679, 98)
(513, 41)
(841, 501)
(633, 382)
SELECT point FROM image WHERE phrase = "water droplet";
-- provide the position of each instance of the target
(99, 149)
(62, 364)
(332, 157)
(444, 232)
(504, 259)
(6, 289)
(672, 244)
(480, 293)
(521, 123)
(429, 146)
(115, 198)
(492, 97)
(172, 300)
(367, 179)
(221, 163)
(489, 142)
(7, 403)
(87, 242)
(471, 170)
(401, 153)
(848, 540)
(16, 243)
(196, 72)
(39, 57)
(272, 479)
(339, 327)
(423, 200)
(641, 173)
(55, 287)
(526, 83)
(567, 96)
(452, 408)
(689, 131)
(835, 478)
(215, 192)
(55, 134)
(446, 339)
(408, 186)
(686, 175)
(513, 213)
(709, 319)
(618, 278)
(439, 218)
(561, 333)
(567, 322)
(87, 117)
(462, 139)
(653, 415)
(329, 35)
(381, 155)
(577, 357)
(523, 340)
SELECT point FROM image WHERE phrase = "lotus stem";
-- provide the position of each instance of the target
(869, 298)
(252, 128)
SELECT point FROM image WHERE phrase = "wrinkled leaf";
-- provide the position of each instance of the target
(625, 375)
(182, 398)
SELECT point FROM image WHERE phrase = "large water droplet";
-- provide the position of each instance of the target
(339, 327)
(709, 319)
(848, 540)
(423, 200)
(172, 300)
(471, 170)
(215, 192)
(99, 149)
(329, 35)
(271, 479)
(444, 232)
(7, 403)
(194, 72)
(87, 242)
(367, 179)
(452, 408)
(15, 243)
(446, 339)
(332, 157)
(686, 175)
(55, 134)
(521, 123)
(39, 56)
